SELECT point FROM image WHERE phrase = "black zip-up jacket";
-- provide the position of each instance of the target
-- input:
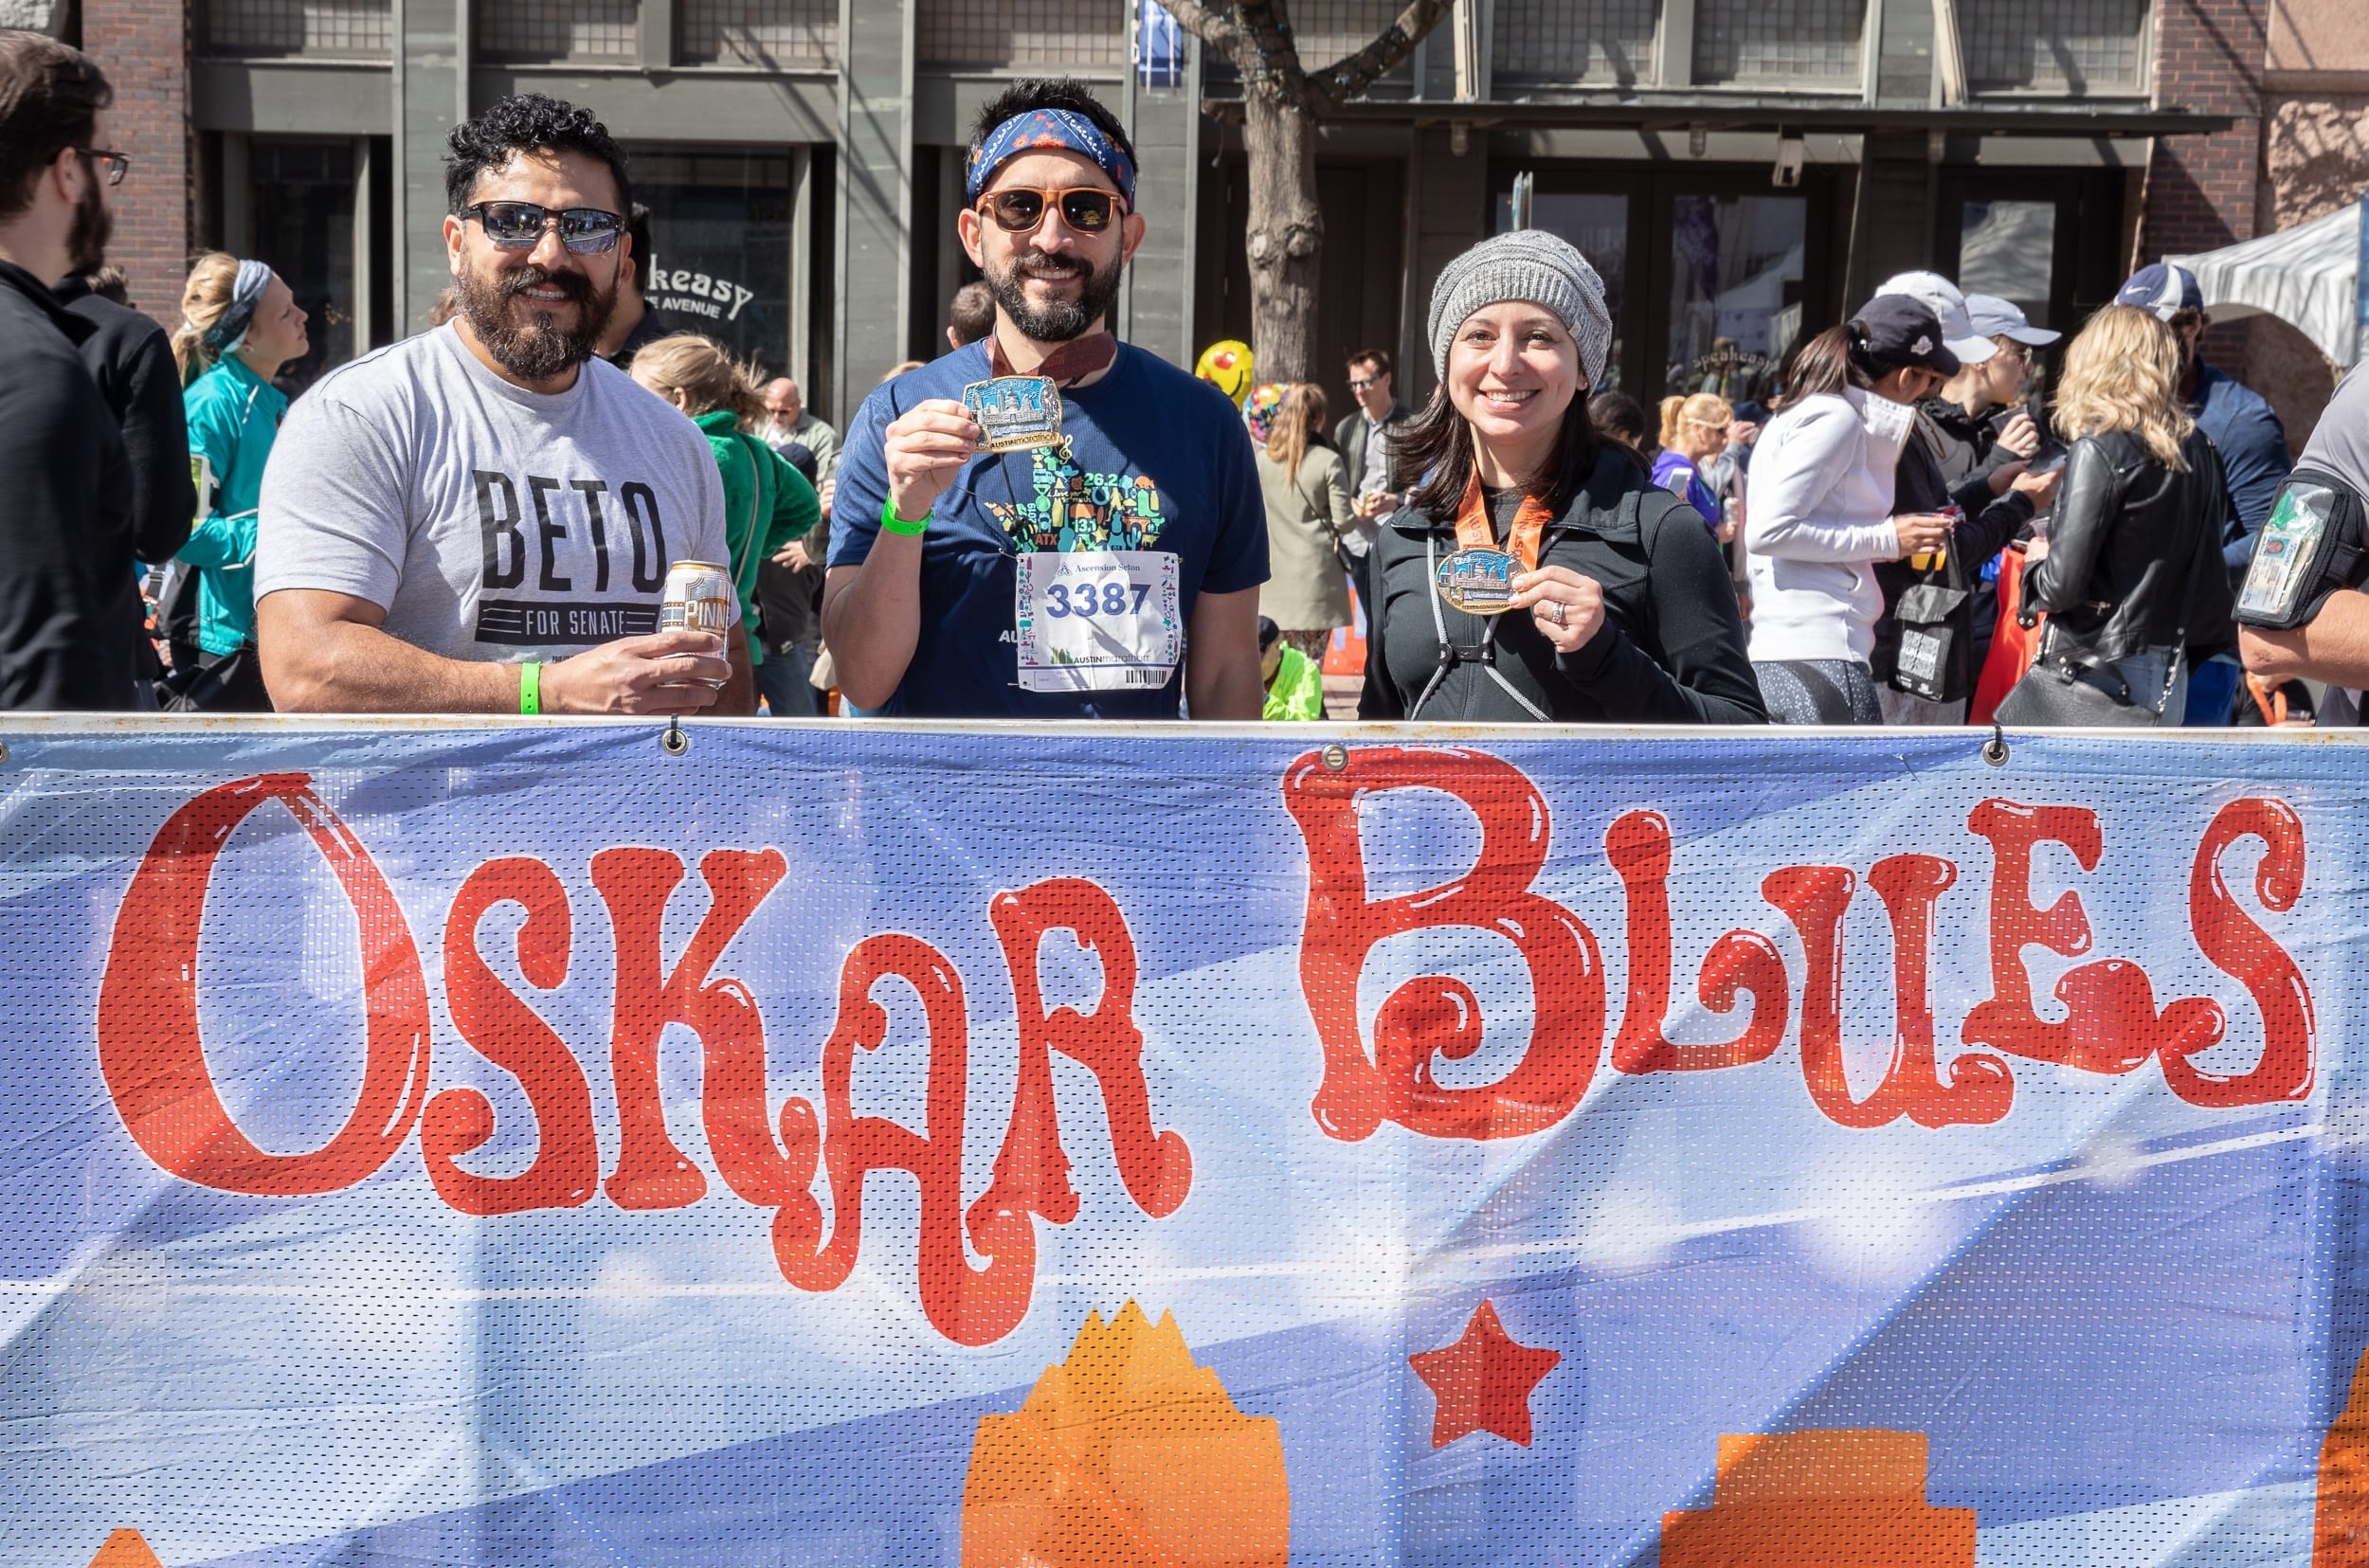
(69, 606)
(1671, 650)
(130, 358)
(2134, 555)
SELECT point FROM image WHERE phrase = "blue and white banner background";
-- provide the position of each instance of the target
(1458, 1236)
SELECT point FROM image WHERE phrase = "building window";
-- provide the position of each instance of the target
(358, 28)
(1328, 30)
(1575, 42)
(757, 32)
(1736, 272)
(1597, 225)
(535, 32)
(300, 209)
(2073, 47)
(2008, 249)
(720, 258)
(986, 34)
(1777, 43)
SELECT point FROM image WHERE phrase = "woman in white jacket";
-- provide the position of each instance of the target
(1818, 503)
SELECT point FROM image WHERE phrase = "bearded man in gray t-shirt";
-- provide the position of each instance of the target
(479, 519)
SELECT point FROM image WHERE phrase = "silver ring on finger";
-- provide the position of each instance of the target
(1556, 605)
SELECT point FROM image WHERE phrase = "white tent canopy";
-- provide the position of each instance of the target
(2308, 275)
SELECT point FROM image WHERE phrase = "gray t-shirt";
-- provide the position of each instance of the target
(492, 523)
(2340, 443)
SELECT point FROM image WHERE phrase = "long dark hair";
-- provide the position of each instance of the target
(1439, 445)
(1824, 364)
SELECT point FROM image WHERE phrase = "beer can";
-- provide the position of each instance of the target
(699, 598)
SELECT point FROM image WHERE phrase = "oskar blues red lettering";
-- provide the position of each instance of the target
(568, 560)
(810, 1163)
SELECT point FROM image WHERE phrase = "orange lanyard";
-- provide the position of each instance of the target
(1474, 531)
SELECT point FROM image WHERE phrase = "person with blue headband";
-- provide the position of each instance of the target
(240, 324)
(1102, 557)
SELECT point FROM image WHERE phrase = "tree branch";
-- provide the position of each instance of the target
(1345, 78)
(1212, 27)
(1277, 70)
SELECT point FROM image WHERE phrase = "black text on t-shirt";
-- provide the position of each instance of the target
(546, 548)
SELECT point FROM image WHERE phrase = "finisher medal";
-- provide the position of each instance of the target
(1014, 413)
(1478, 578)
(1478, 581)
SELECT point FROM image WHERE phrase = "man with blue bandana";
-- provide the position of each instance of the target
(1112, 572)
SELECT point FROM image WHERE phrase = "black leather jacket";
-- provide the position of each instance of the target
(2134, 557)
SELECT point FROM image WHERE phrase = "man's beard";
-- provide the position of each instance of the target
(1056, 322)
(541, 349)
(87, 241)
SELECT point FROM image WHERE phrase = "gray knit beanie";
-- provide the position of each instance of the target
(1528, 263)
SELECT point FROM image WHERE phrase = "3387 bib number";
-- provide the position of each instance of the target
(1098, 620)
(1109, 598)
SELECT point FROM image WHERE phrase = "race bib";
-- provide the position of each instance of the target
(1098, 620)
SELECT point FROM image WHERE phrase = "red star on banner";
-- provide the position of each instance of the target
(1483, 1382)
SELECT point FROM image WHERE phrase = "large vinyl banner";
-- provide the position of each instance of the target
(1165, 1148)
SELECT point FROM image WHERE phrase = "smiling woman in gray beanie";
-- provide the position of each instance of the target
(1538, 574)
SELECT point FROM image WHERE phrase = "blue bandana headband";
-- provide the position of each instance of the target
(1063, 130)
(247, 292)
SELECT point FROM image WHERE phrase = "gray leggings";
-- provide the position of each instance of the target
(1819, 691)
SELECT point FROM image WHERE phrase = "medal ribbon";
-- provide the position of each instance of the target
(1073, 361)
(1473, 530)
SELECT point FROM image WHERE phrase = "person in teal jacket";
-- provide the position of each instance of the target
(240, 324)
(768, 504)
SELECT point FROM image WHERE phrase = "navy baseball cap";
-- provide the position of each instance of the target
(1899, 330)
(2162, 288)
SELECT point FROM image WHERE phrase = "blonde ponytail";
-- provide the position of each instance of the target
(203, 298)
(701, 370)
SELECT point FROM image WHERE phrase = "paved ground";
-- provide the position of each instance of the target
(1341, 696)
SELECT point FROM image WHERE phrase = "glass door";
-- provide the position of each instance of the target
(1737, 268)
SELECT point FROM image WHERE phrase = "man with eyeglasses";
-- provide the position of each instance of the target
(1112, 573)
(69, 598)
(480, 518)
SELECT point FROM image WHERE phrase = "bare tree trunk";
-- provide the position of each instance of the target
(1286, 236)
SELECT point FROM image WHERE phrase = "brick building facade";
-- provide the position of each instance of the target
(308, 128)
(143, 45)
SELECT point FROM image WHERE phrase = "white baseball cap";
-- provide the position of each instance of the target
(1995, 318)
(1948, 306)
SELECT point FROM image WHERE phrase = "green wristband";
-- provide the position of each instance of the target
(531, 686)
(890, 521)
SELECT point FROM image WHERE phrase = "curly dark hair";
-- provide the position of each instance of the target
(1032, 93)
(527, 122)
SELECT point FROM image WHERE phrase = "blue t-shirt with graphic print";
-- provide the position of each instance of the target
(1150, 459)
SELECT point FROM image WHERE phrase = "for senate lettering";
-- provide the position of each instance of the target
(553, 536)
(154, 1059)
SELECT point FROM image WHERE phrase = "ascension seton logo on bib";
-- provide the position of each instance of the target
(568, 560)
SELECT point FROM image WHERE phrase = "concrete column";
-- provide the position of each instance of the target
(1156, 308)
(873, 268)
(431, 96)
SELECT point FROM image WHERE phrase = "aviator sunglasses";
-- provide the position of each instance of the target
(1086, 208)
(519, 225)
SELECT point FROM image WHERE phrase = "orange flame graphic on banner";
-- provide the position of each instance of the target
(126, 1549)
(1127, 1455)
(2339, 1533)
(1844, 1499)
